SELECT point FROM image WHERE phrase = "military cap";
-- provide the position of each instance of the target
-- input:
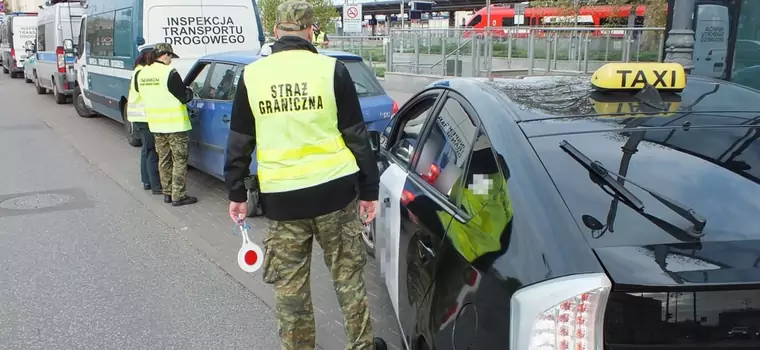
(294, 15)
(163, 48)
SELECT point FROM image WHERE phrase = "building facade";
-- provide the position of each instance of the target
(24, 5)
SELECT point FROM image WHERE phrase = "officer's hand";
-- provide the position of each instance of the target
(238, 211)
(367, 209)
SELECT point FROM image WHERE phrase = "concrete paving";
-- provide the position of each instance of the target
(90, 260)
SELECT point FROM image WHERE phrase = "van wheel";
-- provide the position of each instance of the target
(27, 80)
(59, 97)
(79, 105)
(14, 75)
(132, 138)
(40, 90)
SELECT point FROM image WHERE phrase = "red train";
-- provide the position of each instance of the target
(588, 16)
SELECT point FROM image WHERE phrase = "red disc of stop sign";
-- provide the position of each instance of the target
(250, 257)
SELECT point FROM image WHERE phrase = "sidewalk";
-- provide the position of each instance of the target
(208, 227)
(210, 215)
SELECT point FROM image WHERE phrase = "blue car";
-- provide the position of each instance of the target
(214, 79)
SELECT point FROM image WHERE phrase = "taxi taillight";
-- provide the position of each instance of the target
(395, 107)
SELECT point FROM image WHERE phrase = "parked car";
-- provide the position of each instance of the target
(30, 65)
(214, 78)
(569, 212)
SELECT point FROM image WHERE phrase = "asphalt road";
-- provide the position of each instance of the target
(84, 264)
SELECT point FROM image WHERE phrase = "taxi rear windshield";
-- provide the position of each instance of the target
(553, 97)
(364, 79)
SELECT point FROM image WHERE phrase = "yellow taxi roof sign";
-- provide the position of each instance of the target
(635, 76)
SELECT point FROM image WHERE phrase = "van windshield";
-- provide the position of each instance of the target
(364, 79)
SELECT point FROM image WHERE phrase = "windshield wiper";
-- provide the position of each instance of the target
(601, 174)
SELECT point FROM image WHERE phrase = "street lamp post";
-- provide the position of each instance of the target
(680, 43)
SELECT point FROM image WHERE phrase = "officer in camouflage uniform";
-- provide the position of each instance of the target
(165, 95)
(301, 113)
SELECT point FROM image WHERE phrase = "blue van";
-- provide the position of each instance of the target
(112, 30)
(214, 79)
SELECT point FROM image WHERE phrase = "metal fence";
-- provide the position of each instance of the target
(504, 51)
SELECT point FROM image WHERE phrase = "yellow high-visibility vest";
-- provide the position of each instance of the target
(166, 114)
(319, 40)
(135, 107)
(491, 212)
(298, 144)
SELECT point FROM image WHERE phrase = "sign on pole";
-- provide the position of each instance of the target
(352, 18)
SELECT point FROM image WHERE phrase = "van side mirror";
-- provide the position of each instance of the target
(68, 46)
(374, 141)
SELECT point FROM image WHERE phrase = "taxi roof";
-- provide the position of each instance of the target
(246, 57)
(552, 97)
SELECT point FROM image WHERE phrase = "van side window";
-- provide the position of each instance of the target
(41, 38)
(100, 34)
(124, 39)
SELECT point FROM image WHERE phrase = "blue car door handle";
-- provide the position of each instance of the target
(226, 118)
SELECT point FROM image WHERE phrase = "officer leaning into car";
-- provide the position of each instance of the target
(301, 112)
(164, 96)
(136, 115)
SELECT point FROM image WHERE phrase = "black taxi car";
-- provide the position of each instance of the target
(617, 212)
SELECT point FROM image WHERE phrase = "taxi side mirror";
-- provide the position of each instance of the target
(374, 141)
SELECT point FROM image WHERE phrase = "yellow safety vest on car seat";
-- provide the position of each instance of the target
(491, 213)
(298, 144)
(135, 107)
(166, 114)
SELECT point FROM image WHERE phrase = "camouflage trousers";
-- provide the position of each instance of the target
(287, 265)
(172, 163)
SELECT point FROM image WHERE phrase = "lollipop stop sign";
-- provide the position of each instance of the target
(250, 256)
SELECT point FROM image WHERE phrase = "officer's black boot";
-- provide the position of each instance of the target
(185, 200)
(167, 199)
(380, 344)
(146, 187)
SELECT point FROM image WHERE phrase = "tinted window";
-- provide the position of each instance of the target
(198, 84)
(222, 84)
(483, 180)
(124, 40)
(41, 38)
(100, 32)
(364, 79)
(411, 129)
(443, 157)
(474, 21)
(507, 21)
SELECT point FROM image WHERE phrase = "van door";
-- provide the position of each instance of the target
(232, 25)
(24, 30)
(711, 40)
(80, 66)
(177, 22)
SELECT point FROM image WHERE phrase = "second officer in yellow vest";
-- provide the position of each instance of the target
(136, 115)
(164, 96)
(301, 113)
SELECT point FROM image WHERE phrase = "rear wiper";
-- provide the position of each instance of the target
(600, 173)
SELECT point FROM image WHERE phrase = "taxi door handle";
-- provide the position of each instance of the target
(226, 118)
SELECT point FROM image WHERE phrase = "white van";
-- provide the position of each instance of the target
(113, 29)
(20, 34)
(57, 34)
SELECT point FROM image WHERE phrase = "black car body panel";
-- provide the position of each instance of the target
(669, 288)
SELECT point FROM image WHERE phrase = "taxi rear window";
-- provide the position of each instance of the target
(364, 79)
(551, 97)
